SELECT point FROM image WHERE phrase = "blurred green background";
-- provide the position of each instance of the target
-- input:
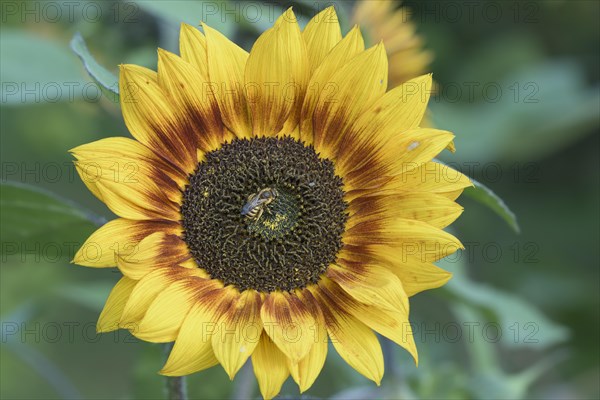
(518, 85)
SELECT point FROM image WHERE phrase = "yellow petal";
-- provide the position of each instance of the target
(354, 341)
(289, 323)
(127, 180)
(321, 35)
(436, 210)
(118, 147)
(306, 371)
(91, 183)
(422, 276)
(111, 313)
(369, 284)
(148, 288)
(414, 237)
(226, 63)
(452, 195)
(154, 251)
(193, 349)
(398, 111)
(192, 47)
(402, 154)
(381, 304)
(357, 85)
(428, 177)
(451, 147)
(276, 76)
(132, 199)
(393, 324)
(102, 248)
(415, 274)
(350, 46)
(428, 276)
(270, 367)
(164, 317)
(194, 97)
(151, 118)
(238, 332)
(431, 177)
(402, 108)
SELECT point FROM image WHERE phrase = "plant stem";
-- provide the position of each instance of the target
(244, 387)
(176, 385)
(176, 388)
(390, 358)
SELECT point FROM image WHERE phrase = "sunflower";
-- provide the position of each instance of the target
(271, 202)
(389, 21)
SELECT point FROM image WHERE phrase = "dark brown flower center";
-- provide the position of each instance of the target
(265, 214)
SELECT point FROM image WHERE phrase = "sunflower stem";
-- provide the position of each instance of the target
(244, 388)
(176, 385)
(176, 388)
(390, 357)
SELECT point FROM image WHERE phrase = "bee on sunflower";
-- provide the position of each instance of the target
(271, 202)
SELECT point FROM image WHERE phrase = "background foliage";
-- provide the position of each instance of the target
(519, 89)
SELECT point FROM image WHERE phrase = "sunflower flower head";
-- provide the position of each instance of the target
(270, 202)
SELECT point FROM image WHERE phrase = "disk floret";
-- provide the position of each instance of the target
(284, 243)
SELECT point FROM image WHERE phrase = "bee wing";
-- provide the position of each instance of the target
(252, 203)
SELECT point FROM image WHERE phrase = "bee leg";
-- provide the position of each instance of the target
(260, 212)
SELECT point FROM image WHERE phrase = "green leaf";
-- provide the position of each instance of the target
(46, 368)
(487, 197)
(530, 114)
(217, 14)
(37, 70)
(107, 80)
(519, 323)
(34, 220)
(487, 378)
(481, 193)
(92, 295)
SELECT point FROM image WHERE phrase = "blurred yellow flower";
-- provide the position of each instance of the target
(387, 20)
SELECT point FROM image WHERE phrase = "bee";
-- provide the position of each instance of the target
(257, 202)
